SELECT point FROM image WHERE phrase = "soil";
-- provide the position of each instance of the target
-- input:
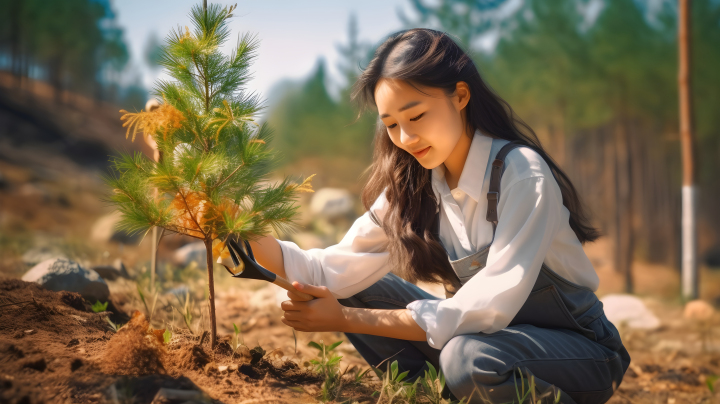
(54, 350)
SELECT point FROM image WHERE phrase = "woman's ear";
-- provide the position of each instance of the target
(462, 95)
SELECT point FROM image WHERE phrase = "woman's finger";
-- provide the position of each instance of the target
(317, 291)
(296, 297)
(293, 315)
(294, 324)
(291, 305)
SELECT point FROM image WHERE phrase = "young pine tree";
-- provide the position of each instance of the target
(214, 155)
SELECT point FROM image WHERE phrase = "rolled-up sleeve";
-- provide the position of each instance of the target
(528, 215)
(359, 260)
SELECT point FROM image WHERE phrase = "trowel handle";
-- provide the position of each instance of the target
(283, 283)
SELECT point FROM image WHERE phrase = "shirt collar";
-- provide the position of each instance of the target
(473, 173)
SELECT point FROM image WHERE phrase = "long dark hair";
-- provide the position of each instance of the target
(431, 58)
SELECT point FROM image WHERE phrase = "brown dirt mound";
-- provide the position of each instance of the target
(135, 350)
(191, 357)
(46, 345)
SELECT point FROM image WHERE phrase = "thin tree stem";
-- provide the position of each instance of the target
(211, 287)
(228, 177)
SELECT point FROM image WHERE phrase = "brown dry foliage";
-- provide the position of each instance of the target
(135, 350)
(165, 117)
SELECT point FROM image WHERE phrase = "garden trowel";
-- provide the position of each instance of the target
(245, 266)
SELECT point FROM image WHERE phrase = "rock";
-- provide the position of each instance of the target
(3, 182)
(104, 230)
(37, 255)
(188, 253)
(59, 274)
(629, 309)
(698, 310)
(112, 272)
(332, 202)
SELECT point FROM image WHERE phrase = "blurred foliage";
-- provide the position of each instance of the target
(313, 128)
(73, 44)
(596, 80)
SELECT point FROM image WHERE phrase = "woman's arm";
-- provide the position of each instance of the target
(268, 254)
(325, 313)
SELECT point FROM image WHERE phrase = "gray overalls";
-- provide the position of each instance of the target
(560, 336)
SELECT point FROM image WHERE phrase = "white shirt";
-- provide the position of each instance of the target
(532, 228)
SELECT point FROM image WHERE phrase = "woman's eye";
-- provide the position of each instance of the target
(412, 119)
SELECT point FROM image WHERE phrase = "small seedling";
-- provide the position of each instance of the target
(99, 307)
(359, 376)
(115, 327)
(167, 336)
(186, 313)
(238, 339)
(433, 383)
(522, 395)
(394, 387)
(149, 310)
(328, 364)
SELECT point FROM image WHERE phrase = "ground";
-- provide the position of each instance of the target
(54, 349)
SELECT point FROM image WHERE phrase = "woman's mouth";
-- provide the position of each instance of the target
(420, 153)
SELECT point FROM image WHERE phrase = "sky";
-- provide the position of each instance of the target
(292, 34)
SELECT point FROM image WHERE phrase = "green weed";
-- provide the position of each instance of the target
(99, 307)
(186, 313)
(151, 309)
(238, 339)
(393, 386)
(328, 365)
(167, 336)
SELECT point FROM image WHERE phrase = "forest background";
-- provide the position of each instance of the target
(596, 80)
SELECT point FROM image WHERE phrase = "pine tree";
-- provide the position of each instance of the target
(212, 179)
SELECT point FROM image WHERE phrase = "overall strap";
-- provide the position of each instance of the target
(493, 195)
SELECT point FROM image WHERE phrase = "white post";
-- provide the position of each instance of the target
(689, 243)
(689, 194)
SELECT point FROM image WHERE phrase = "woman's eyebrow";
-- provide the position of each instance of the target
(408, 105)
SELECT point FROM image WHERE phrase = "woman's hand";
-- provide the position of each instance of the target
(324, 313)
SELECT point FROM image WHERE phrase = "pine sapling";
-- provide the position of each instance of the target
(212, 181)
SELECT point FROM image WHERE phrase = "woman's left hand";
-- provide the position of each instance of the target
(324, 313)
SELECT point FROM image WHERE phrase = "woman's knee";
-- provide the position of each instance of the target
(471, 366)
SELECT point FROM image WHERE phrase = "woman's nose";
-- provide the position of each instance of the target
(406, 138)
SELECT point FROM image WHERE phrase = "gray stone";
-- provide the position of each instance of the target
(188, 253)
(112, 272)
(62, 274)
(629, 309)
(332, 202)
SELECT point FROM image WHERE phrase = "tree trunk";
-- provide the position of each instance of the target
(623, 206)
(211, 287)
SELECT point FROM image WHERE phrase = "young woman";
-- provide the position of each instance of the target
(447, 201)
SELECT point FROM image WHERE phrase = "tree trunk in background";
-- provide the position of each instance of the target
(15, 50)
(623, 205)
(689, 191)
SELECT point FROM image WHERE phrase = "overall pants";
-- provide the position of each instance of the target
(560, 336)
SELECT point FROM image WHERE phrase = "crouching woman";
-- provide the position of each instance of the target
(461, 192)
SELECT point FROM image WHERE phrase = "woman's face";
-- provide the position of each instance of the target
(426, 126)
